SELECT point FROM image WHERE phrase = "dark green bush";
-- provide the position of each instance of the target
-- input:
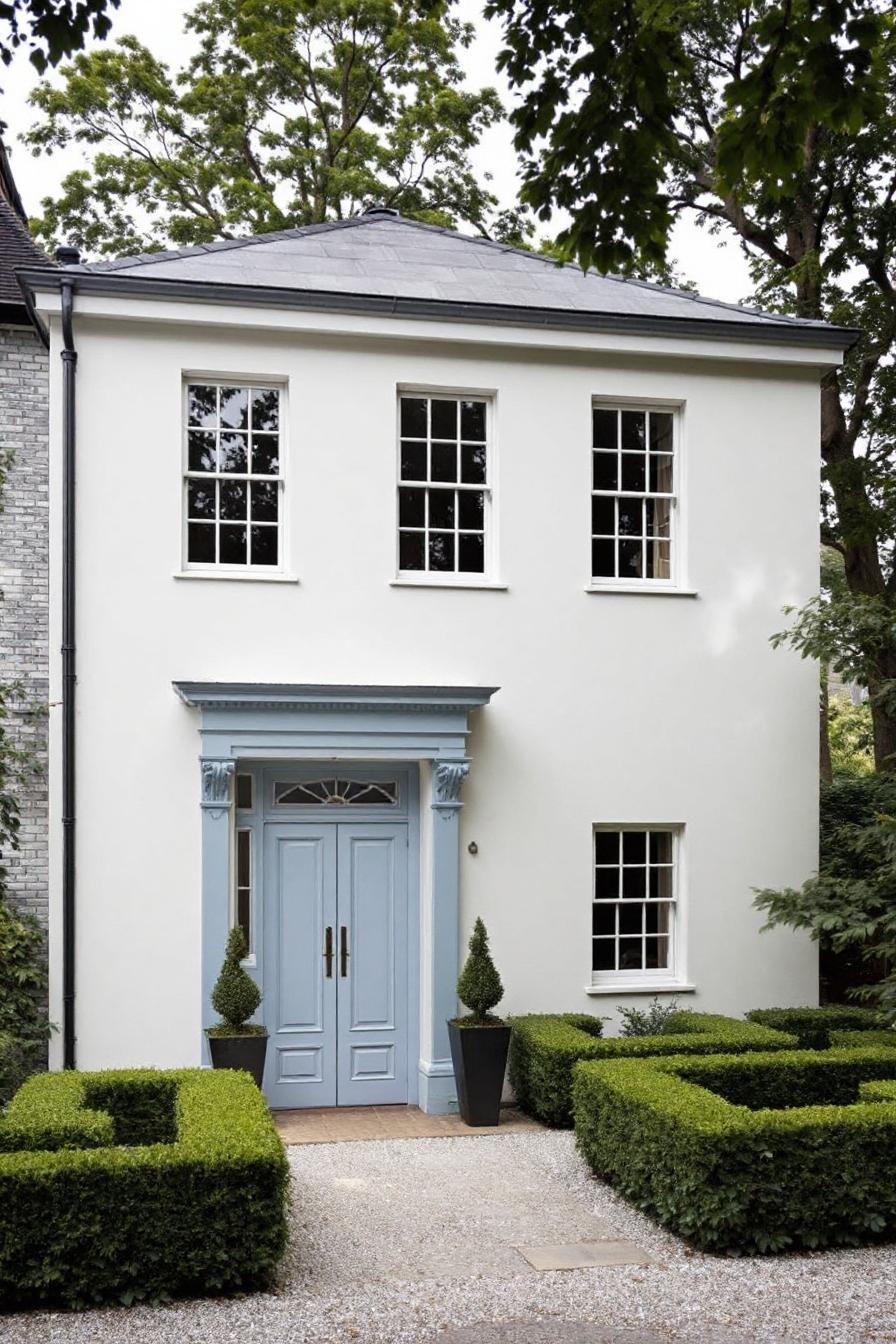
(819, 1171)
(235, 995)
(86, 1219)
(544, 1049)
(23, 988)
(17, 1060)
(813, 1026)
(479, 985)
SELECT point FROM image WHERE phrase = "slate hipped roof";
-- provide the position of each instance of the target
(381, 262)
(17, 247)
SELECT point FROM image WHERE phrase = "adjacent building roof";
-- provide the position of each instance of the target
(17, 247)
(381, 262)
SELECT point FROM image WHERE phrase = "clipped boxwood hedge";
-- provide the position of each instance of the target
(545, 1048)
(748, 1153)
(859, 1040)
(813, 1026)
(138, 1184)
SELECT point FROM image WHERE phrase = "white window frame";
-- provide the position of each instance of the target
(648, 980)
(428, 578)
(212, 570)
(675, 583)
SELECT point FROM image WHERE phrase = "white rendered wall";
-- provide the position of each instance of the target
(612, 708)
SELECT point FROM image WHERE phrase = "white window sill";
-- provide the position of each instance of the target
(640, 589)
(250, 576)
(430, 581)
(641, 987)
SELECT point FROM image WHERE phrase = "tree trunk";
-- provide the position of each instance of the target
(884, 724)
(859, 545)
(824, 739)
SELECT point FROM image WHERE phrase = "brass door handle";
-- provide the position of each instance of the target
(343, 950)
(328, 951)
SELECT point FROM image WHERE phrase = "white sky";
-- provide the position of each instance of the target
(718, 268)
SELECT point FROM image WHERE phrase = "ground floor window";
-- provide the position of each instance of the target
(635, 896)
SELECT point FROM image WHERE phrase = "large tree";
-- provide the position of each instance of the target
(773, 121)
(289, 112)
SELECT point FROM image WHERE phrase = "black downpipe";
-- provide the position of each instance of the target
(69, 361)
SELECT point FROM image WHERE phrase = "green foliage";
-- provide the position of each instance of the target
(290, 112)
(849, 904)
(544, 1050)
(851, 738)
(649, 1021)
(235, 995)
(96, 1207)
(479, 985)
(616, 98)
(854, 635)
(751, 1154)
(813, 1026)
(50, 30)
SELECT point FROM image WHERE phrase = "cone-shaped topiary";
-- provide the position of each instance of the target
(235, 995)
(479, 985)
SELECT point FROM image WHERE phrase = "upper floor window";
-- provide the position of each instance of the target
(443, 493)
(232, 482)
(634, 904)
(633, 497)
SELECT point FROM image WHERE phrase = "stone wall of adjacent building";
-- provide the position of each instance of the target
(24, 584)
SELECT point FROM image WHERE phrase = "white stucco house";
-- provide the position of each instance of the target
(400, 577)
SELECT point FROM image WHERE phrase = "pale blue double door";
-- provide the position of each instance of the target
(336, 964)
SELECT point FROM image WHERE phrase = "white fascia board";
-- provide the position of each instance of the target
(297, 321)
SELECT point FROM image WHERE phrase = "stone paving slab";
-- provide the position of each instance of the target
(585, 1254)
(349, 1124)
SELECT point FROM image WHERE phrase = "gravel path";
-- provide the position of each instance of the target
(401, 1242)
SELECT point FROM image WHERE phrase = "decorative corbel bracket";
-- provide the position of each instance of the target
(447, 778)
(217, 786)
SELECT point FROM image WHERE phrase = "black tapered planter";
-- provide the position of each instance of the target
(479, 1056)
(240, 1052)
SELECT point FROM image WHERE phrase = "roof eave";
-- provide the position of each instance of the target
(33, 279)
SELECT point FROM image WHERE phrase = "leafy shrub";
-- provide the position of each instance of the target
(545, 1048)
(17, 1060)
(235, 995)
(23, 988)
(847, 906)
(679, 1138)
(647, 1021)
(813, 1026)
(479, 985)
(85, 1219)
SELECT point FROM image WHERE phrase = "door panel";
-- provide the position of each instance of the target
(372, 994)
(300, 999)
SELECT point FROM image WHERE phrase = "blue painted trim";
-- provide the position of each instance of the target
(437, 1088)
(259, 695)
(258, 724)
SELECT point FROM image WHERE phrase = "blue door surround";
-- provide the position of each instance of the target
(301, 723)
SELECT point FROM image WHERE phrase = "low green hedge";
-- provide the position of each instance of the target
(748, 1153)
(860, 1040)
(545, 1048)
(138, 1184)
(813, 1026)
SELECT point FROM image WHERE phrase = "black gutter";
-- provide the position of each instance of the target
(782, 332)
(69, 362)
